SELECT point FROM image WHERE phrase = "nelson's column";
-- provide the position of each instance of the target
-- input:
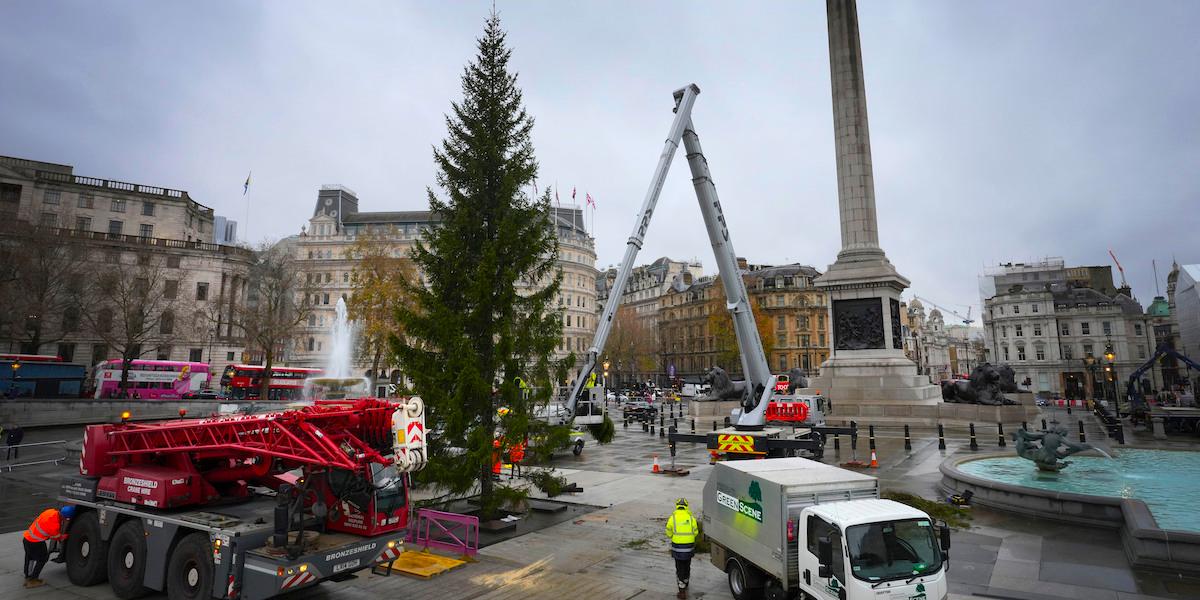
(867, 374)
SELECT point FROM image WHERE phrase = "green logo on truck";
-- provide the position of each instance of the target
(752, 509)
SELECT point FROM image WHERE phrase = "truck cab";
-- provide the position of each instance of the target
(871, 549)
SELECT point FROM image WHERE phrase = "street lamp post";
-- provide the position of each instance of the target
(1111, 373)
(1089, 363)
(604, 383)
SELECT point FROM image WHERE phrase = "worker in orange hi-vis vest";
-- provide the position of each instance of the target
(50, 525)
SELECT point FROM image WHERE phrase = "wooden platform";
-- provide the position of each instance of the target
(424, 564)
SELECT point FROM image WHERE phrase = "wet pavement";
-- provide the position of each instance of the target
(611, 545)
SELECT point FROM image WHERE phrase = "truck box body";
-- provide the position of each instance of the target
(748, 503)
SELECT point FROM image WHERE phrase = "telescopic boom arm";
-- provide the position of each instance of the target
(754, 363)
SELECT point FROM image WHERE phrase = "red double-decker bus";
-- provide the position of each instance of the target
(244, 382)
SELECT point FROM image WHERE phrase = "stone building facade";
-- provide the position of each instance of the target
(1055, 334)
(791, 315)
(109, 222)
(322, 251)
(940, 352)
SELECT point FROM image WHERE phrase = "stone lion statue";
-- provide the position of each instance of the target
(984, 386)
(1008, 379)
(797, 378)
(722, 386)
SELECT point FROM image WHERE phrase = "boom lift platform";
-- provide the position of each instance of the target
(749, 437)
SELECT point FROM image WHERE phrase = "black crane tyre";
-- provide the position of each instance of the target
(578, 449)
(190, 569)
(86, 553)
(127, 560)
(740, 580)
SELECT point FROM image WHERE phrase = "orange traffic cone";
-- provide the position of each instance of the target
(874, 462)
(656, 469)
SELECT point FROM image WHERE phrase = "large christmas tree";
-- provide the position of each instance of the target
(484, 311)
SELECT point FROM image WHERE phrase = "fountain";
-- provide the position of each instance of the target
(338, 381)
(1146, 494)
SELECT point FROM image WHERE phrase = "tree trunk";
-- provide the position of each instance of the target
(375, 368)
(264, 385)
(123, 388)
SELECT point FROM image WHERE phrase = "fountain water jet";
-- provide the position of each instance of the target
(339, 382)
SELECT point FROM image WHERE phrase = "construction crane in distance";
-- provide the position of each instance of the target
(967, 320)
(1119, 268)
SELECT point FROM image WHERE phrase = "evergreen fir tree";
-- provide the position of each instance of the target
(483, 312)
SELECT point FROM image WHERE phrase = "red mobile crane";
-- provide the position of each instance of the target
(243, 506)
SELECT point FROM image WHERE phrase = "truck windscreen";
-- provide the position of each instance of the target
(893, 550)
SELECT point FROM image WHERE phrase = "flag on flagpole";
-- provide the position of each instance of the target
(589, 200)
(246, 186)
(572, 192)
(556, 200)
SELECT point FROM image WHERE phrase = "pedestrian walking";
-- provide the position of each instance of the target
(50, 525)
(12, 439)
(682, 530)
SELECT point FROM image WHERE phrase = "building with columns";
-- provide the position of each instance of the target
(112, 222)
(1056, 328)
(940, 351)
(322, 250)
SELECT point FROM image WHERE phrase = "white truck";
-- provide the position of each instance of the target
(789, 528)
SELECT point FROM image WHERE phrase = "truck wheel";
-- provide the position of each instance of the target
(578, 449)
(86, 553)
(190, 569)
(127, 560)
(740, 581)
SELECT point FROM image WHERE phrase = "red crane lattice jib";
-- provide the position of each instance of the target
(339, 434)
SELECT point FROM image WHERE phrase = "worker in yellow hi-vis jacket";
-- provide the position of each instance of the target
(682, 529)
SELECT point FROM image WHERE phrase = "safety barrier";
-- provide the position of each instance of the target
(42, 453)
(445, 531)
(791, 412)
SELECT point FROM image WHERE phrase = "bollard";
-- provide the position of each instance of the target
(662, 431)
(661, 419)
(974, 444)
(727, 421)
(837, 442)
(693, 420)
(1120, 434)
(907, 439)
(1043, 424)
(1082, 438)
(853, 435)
(1000, 434)
(871, 435)
(645, 427)
(1068, 407)
(941, 437)
(1024, 425)
(675, 424)
(651, 428)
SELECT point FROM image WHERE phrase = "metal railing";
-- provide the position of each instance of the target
(445, 531)
(43, 453)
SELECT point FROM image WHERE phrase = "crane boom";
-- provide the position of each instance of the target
(759, 381)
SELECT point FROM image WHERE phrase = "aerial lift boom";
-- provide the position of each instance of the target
(759, 381)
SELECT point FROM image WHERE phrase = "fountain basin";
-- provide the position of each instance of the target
(1090, 492)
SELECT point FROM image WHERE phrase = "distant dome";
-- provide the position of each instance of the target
(1159, 307)
(916, 303)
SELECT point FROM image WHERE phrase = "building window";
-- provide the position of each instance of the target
(67, 352)
(166, 323)
(146, 230)
(781, 323)
(83, 223)
(1137, 329)
(1037, 330)
(345, 278)
(781, 339)
(1005, 352)
(1016, 309)
(229, 356)
(1020, 352)
(164, 353)
(115, 227)
(312, 343)
(821, 343)
(1107, 327)
(1035, 308)
(1001, 309)
(202, 290)
(196, 355)
(1067, 353)
(1085, 328)
(51, 197)
(173, 262)
(804, 341)
(86, 200)
(118, 205)
(1040, 353)
(49, 219)
(1087, 349)
(1141, 351)
(325, 299)
(782, 362)
(170, 289)
(1004, 331)
(1066, 329)
(147, 209)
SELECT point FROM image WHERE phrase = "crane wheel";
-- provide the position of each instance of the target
(127, 560)
(744, 583)
(190, 569)
(86, 552)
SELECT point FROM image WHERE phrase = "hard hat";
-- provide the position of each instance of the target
(502, 411)
(682, 502)
(67, 511)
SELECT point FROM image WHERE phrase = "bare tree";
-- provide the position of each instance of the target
(131, 307)
(379, 277)
(276, 304)
(631, 345)
(41, 279)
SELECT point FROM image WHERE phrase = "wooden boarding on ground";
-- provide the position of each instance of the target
(424, 564)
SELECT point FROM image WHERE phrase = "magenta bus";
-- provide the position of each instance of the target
(151, 379)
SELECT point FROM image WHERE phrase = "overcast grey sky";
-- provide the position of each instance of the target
(1000, 130)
